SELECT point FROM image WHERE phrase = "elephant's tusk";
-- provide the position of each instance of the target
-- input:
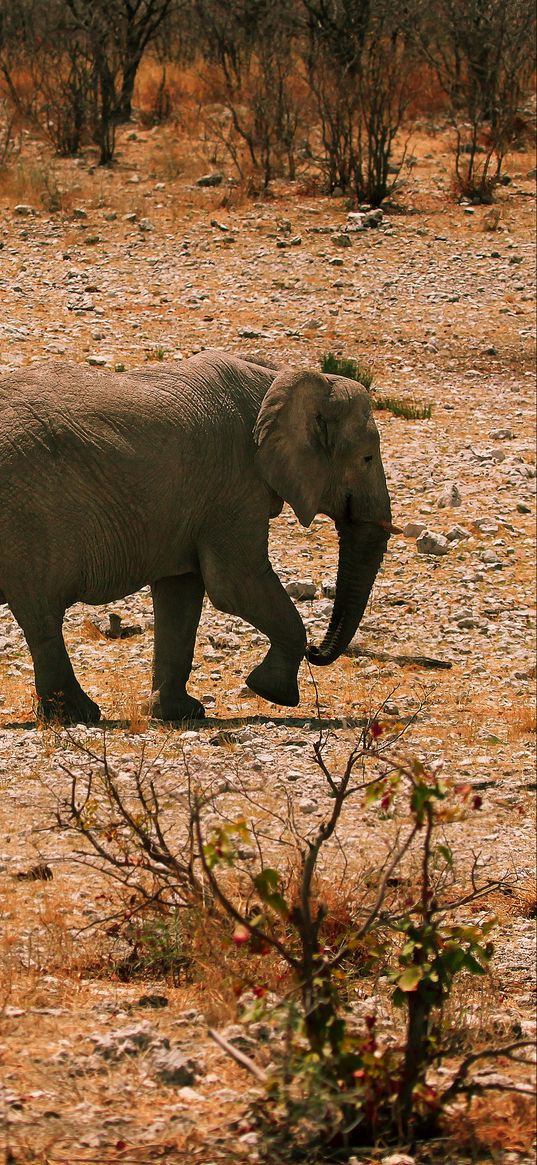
(389, 527)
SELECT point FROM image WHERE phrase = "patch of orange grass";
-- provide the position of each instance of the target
(522, 720)
(90, 630)
(504, 1122)
(223, 972)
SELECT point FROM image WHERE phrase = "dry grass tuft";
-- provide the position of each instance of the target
(497, 1122)
(90, 630)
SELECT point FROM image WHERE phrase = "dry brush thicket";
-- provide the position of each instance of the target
(284, 87)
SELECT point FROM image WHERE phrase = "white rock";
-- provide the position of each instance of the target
(307, 806)
(431, 543)
(450, 496)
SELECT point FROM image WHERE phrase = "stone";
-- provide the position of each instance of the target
(153, 1000)
(342, 240)
(307, 805)
(398, 1159)
(24, 210)
(413, 529)
(215, 179)
(79, 212)
(302, 589)
(127, 1041)
(458, 534)
(249, 333)
(431, 543)
(174, 1068)
(373, 218)
(501, 434)
(450, 496)
(97, 361)
(490, 557)
(328, 588)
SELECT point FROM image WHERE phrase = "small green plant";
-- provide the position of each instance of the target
(400, 406)
(155, 944)
(155, 355)
(334, 365)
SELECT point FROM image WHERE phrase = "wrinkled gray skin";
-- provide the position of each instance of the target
(169, 477)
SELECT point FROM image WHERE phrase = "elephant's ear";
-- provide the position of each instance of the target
(293, 436)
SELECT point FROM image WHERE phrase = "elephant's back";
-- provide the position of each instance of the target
(54, 407)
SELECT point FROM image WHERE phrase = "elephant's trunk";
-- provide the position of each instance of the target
(361, 550)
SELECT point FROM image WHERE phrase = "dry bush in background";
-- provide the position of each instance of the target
(288, 89)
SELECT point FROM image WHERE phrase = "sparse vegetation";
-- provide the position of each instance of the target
(289, 89)
(345, 366)
(332, 1082)
(399, 406)
(403, 407)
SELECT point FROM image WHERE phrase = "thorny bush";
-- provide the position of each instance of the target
(331, 1080)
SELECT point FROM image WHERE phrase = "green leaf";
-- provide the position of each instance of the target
(410, 947)
(374, 791)
(266, 882)
(410, 978)
(472, 965)
(447, 854)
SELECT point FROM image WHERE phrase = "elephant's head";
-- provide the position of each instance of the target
(318, 448)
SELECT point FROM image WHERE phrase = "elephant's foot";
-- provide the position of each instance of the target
(73, 707)
(168, 707)
(272, 683)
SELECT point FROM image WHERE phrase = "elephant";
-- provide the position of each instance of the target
(169, 477)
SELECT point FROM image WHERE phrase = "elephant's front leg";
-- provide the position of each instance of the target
(260, 599)
(177, 603)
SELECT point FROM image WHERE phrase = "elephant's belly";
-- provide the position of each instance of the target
(107, 589)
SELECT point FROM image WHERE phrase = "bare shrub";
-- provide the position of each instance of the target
(254, 83)
(358, 63)
(482, 53)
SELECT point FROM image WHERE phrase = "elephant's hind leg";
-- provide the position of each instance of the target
(177, 603)
(59, 694)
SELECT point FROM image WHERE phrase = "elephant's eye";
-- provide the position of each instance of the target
(369, 458)
(322, 433)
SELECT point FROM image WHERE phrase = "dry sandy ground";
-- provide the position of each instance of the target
(142, 265)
